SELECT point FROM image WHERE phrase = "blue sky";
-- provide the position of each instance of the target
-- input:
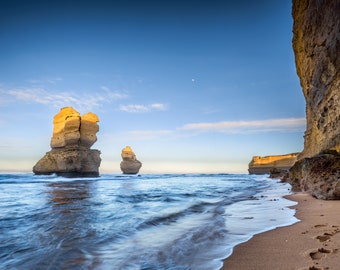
(191, 86)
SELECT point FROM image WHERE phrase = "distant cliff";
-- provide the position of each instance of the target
(263, 165)
(316, 44)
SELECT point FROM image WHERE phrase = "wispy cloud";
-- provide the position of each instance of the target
(136, 108)
(158, 106)
(254, 126)
(105, 88)
(62, 99)
(44, 81)
(113, 95)
(54, 80)
(226, 127)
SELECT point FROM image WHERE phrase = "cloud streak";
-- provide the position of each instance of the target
(254, 126)
(61, 99)
(136, 108)
(226, 127)
(44, 81)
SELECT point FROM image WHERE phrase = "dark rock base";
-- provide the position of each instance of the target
(72, 162)
(130, 166)
(280, 174)
(318, 175)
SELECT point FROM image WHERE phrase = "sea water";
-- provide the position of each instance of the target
(163, 221)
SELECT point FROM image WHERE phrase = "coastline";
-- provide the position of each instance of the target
(312, 243)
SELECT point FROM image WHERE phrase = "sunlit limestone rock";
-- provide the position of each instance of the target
(316, 43)
(266, 164)
(129, 165)
(66, 125)
(316, 46)
(88, 129)
(72, 138)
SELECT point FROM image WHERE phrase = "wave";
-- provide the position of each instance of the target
(151, 221)
(30, 177)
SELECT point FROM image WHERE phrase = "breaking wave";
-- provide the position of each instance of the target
(170, 221)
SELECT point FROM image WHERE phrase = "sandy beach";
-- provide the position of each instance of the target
(311, 244)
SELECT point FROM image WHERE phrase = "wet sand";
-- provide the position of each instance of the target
(311, 244)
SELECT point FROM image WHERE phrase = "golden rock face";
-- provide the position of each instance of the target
(66, 128)
(287, 160)
(128, 154)
(71, 130)
(129, 165)
(88, 129)
(316, 46)
(263, 165)
(71, 141)
(91, 117)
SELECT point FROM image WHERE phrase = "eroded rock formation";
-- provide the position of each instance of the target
(318, 175)
(264, 165)
(88, 129)
(129, 165)
(71, 141)
(316, 44)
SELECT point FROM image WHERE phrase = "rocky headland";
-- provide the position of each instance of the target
(130, 164)
(73, 136)
(268, 164)
(316, 44)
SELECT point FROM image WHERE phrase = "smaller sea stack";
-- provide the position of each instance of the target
(129, 165)
(71, 141)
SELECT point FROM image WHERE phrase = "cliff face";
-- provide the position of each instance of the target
(316, 45)
(264, 165)
(72, 138)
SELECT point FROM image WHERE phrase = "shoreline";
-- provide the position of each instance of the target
(313, 243)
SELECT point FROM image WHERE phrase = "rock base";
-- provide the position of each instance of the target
(130, 166)
(280, 174)
(73, 162)
(318, 175)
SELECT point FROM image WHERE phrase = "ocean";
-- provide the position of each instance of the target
(151, 221)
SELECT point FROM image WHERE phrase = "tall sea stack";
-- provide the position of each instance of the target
(71, 141)
(316, 44)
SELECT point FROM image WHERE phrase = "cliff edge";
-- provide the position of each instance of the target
(316, 44)
(264, 165)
